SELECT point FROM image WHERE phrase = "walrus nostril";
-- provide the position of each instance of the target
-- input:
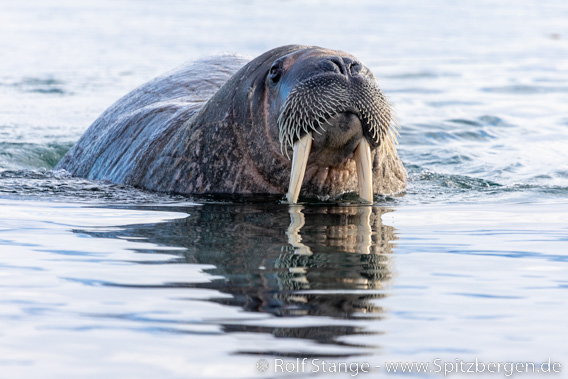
(352, 66)
(337, 61)
(342, 65)
(355, 68)
(335, 64)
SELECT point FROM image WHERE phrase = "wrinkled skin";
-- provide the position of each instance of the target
(212, 128)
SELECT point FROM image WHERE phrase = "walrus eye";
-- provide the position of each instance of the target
(275, 72)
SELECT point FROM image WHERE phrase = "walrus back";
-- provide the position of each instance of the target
(126, 132)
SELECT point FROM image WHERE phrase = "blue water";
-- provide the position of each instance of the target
(99, 279)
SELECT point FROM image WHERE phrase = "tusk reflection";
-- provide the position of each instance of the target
(364, 239)
(355, 229)
(361, 229)
(297, 221)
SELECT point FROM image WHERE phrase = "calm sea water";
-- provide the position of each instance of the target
(102, 280)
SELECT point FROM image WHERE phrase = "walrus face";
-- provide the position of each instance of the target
(327, 108)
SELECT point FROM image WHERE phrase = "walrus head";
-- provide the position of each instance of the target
(324, 109)
(295, 118)
(331, 106)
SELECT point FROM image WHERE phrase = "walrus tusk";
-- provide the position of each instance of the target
(364, 170)
(302, 149)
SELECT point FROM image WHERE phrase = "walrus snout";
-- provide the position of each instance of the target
(318, 98)
(331, 113)
(338, 141)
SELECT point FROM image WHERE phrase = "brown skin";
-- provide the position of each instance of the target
(229, 145)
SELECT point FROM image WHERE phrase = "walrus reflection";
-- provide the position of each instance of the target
(328, 261)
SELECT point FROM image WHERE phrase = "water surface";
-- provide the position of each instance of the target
(100, 279)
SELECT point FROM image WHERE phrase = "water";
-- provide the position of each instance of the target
(471, 263)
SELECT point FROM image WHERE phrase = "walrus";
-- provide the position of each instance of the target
(295, 119)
